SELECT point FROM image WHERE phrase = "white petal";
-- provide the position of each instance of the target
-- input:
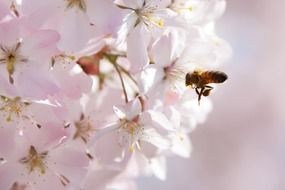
(151, 77)
(134, 4)
(181, 145)
(158, 166)
(161, 51)
(153, 137)
(128, 111)
(157, 119)
(137, 44)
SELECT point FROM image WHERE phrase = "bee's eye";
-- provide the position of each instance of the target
(188, 79)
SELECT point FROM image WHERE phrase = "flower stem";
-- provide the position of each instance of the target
(122, 81)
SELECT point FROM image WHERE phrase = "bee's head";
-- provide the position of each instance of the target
(191, 79)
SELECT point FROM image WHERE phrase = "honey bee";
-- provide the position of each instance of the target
(199, 80)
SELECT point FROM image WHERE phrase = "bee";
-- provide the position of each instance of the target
(199, 80)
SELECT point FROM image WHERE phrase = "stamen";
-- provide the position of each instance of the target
(35, 160)
(17, 186)
(12, 107)
(84, 129)
(76, 3)
(131, 133)
(64, 180)
(11, 56)
(62, 58)
(147, 15)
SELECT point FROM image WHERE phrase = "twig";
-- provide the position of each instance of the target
(122, 81)
(128, 74)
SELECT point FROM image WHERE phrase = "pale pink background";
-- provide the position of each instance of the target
(242, 144)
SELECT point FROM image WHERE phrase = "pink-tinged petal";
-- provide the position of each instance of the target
(40, 45)
(128, 111)
(35, 83)
(9, 32)
(75, 31)
(171, 97)
(100, 179)
(38, 13)
(41, 110)
(108, 150)
(105, 15)
(6, 88)
(4, 10)
(137, 44)
(47, 181)
(43, 138)
(8, 175)
(7, 136)
(72, 84)
(69, 162)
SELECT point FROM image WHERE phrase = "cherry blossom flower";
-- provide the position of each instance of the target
(145, 21)
(38, 157)
(134, 131)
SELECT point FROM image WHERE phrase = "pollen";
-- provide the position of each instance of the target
(157, 21)
(35, 160)
(11, 56)
(12, 107)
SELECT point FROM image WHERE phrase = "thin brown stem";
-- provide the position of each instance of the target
(122, 81)
(128, 74)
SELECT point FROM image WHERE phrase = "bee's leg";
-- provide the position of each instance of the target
(200, 95)
(197, 91)
(209, 87)
(207, 90)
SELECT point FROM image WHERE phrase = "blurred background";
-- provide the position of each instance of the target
(242, 144)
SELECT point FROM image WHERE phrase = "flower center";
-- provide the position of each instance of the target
(12, 107)
(147, 15)
(35, 160)
(131, 133)
(11, 56)
(84, 129)
(174, 73)
(80, 4)
(175, 77)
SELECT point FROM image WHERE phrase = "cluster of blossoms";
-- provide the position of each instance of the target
(92, 92)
